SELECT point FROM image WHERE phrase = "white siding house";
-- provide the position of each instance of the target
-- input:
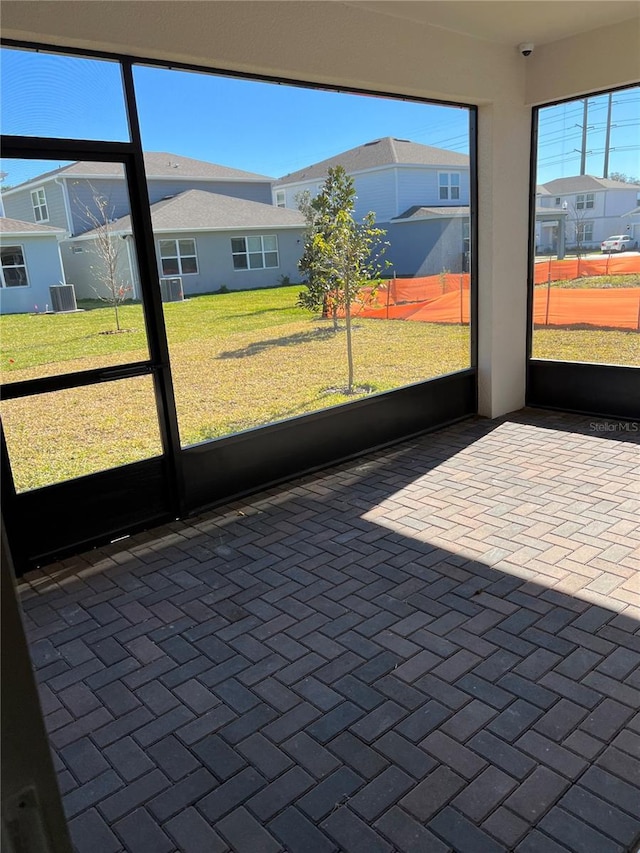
(420, 196)
(31, 262)
(593, 208)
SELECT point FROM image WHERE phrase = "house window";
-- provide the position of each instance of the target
(558, 200)
(449, 185)
(584, 201)
(280, 198)
(14, 270)
(585, 232)
(178, 257)
(39, 202)
(254, 253)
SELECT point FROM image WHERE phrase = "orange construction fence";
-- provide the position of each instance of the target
(444, 298)
(582, 267)
(613, 308)
(401, 291)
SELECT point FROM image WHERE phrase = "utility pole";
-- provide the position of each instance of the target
(607, 141)
(583, 149)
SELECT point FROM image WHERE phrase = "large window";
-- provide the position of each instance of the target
(178, 257)
(449, 184)
(254, 253)
(14, 269)
(39, 202)
(254, 343)
(586, 293)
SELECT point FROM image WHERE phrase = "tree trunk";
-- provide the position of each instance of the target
(115, 308)
(347, 319)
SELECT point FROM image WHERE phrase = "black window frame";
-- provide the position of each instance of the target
(600, 390)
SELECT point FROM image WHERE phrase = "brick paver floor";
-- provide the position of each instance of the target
(431, 648)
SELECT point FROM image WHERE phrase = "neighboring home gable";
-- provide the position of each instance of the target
(594, 209)
(30, 264)
(429, 240)
(207, 239)
(69, 192)
(39, 202)
(390, 175)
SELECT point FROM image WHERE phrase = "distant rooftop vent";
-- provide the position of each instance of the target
(395, 139)
(367, 144)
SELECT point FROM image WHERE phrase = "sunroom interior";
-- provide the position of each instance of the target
(462, 53)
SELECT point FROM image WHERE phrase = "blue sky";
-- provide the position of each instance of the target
(269, 128)
(560, 136)
(261, 127)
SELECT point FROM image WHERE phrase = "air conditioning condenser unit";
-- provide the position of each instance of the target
(63, 297)
(171, 289)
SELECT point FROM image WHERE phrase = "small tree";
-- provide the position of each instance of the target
(108, 248)
(578, 217)
(340, 254)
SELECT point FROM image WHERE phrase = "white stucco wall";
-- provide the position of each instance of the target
(588, 62)
(350, 45)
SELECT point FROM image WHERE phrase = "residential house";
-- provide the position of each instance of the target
(594, 209)
(80, 197)
(65, 197)
(208, 240)
(420, 196)
(31, 263)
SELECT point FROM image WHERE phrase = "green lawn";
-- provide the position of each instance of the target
(239, 360)
(599, 281)
(602, 346)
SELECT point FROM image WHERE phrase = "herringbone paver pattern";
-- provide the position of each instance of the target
(433, 648)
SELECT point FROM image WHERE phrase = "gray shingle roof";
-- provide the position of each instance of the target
(443, 212)
(584, 183)
(381, 152)
(17, 226)
(197, 210)
(157, 165)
